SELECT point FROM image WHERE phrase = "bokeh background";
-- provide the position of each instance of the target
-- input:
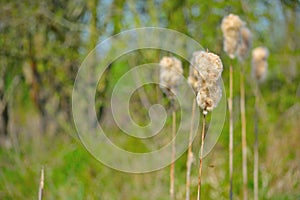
(42, 44)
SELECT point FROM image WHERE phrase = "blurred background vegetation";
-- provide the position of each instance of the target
(42, 44)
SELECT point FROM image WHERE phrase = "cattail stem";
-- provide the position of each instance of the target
(41, 187)
(172, 169)
(230, 131)
(201, 157)
(190, 154)
(255, 172)
(244, 134)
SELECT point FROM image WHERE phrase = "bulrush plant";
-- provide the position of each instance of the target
(170, 77)
(259, 63)
(259, 71)
(205, 77)
(193, 82)
(231, 26)
(237, 42)
(245, 44)
(242, 52)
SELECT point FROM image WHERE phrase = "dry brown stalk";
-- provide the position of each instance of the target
(244, 135)
(172, 170)
(201, 157)
(230, 130)
(190, 154)
(41, 187)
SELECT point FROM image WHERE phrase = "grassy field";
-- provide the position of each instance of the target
(72, 173)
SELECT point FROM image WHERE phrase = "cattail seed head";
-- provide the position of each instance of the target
(207, 65)
(231, 26)
(259, 63)
(193, 82)
(245, 43)
(205, 74)
(194, 75)
(209, 96)
(170, 75)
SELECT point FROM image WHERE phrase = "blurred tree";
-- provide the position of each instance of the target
(46, 48)
(4, 114)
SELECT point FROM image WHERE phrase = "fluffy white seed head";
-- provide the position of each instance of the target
(209, 95)
(245, 43)
(205, 74)
(194, 75)
(170, 75)
(207, 65)
(194, 82)
(231, 26)
(259, 63)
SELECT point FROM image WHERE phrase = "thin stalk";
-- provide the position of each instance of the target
(172, 169)
(201, 157)
(244, 134)
(190, 154)
(230, 131)
(41, 187)
(255, 172)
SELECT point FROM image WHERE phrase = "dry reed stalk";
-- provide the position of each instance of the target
(201, 157)
(255, 171)
(41, 187)
(242, 53)
(190, 154)
(170, 78)
(230, 131)
(172, 169)
(244, 135)
(259, 71)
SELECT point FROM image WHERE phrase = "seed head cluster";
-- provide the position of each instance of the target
(259, 63)
(170, 75)
(245, 43)
(205, 73)
(237, 37)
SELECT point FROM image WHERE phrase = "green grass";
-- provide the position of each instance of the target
(72, 173)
